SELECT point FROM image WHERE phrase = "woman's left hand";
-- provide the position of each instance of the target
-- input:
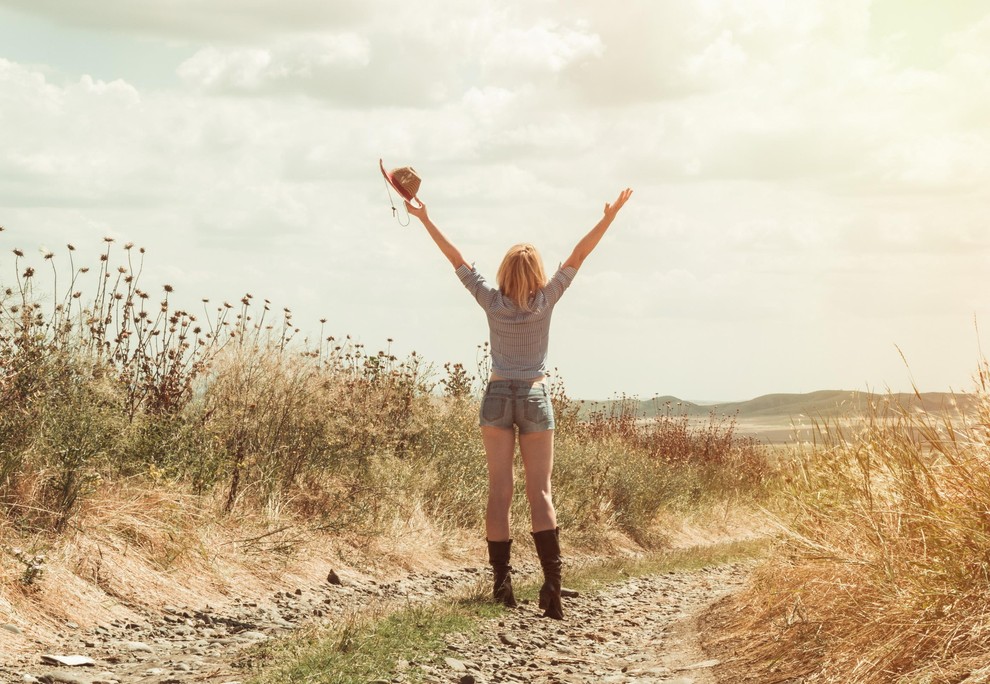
(612, 209)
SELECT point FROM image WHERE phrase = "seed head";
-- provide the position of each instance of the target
(84, 269)
(121, 269)
(18, 252)
(71, 247)
(169, 288)
(28, 272)
(108, 239)
(49, 255)
(128, 246)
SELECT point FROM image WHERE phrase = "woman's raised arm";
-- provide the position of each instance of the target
(590, 241)
(452, 253)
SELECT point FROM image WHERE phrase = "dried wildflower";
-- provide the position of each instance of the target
(49, 255)
(141, 250)
(169, 288)
(84, 269)
(118, 296)
(108, 239)
(18, 252)
(76, 294)
(104, 257)
(128, 245)
(71, 247)
(28, 272)
(121, 270)
(227, 305)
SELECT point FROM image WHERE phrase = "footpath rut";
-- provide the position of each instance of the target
(640, 630)
(637, 630)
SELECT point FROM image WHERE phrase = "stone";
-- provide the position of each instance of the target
(455, 664)
(67, 660)
(698, 666)
(138, 647)
(13, 629)
(508, 640)
(334, 578)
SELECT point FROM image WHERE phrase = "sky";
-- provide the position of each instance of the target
(811, 179)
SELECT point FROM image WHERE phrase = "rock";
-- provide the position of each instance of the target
(30, 679)
(67, 660)
(13, 629)
(508, 640)
(254, 636)
(467, 679)
(334, 578)
(137, 647)
(699, 666)
(455, 664)
(65, 678)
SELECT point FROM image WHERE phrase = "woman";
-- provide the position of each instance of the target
(516, 397)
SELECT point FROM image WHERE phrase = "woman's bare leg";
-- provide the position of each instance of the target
(500, 447)
(537, 456)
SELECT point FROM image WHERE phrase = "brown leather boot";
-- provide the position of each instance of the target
(498, 558)
(548, 549)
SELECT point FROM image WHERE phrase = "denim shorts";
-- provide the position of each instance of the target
(523, 404)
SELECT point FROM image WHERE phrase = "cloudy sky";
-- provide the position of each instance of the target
(812, 179)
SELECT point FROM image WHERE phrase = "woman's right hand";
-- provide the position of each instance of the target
(419, 212)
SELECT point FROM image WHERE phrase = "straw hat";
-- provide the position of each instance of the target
(405, 180)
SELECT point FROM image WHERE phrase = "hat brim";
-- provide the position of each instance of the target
(398, 188)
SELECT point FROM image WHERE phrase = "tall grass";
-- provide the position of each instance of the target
(885, 574)
(235, 405)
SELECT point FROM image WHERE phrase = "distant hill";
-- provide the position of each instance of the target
(823, 403)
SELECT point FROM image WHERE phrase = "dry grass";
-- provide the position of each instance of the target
(140, 442)
(884, 571)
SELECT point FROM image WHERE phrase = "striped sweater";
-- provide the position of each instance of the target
(519, 339)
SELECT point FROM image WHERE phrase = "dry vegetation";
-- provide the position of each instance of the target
(111, 393)
(884, 574)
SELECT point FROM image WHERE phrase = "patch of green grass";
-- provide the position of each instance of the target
(367, 647)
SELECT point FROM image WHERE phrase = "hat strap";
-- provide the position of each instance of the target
(391, 200)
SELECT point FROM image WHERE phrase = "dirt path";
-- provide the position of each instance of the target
(639, 630)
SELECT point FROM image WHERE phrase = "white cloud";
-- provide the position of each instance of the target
(790, 178)
(299, 59)
(540, 48)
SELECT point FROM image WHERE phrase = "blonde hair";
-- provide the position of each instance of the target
(521, 274)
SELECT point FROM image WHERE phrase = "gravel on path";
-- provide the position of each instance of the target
(639, 630)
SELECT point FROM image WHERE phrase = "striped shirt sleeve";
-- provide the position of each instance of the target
(476, 285)
(560, 281)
